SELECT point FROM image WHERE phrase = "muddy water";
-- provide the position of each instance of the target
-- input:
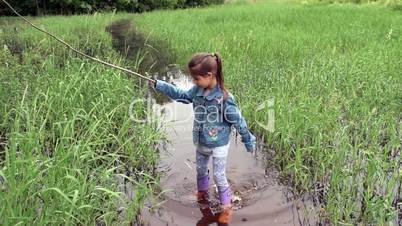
(258, 197)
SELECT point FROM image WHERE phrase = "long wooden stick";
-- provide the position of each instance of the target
(75, 50)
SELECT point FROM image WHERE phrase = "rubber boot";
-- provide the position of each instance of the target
(203, 183)
(208, 220)
(208, 217)
(225, 216)
(225, 197)
(203, 198)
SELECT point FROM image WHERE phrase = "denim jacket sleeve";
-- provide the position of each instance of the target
(172, 91)
(234, 117)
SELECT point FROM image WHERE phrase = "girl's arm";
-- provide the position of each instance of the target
(234, 117)
(174, 92)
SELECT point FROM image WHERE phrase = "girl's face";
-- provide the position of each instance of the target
(203, 81)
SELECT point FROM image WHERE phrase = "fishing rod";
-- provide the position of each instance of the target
(77, 51)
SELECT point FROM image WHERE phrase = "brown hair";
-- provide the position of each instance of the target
(202, 63)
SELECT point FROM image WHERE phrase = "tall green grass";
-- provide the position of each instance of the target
(65, 129)
(334, 73)
(393, 4)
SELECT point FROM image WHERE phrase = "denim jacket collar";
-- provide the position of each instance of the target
(215, 92)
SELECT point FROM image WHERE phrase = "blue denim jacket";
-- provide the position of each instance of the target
(213, 117)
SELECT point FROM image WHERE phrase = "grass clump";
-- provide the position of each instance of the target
(67, 142)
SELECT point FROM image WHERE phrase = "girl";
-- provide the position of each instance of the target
(215, 112)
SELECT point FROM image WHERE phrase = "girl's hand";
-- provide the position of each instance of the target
(250, 148)
(251, 144)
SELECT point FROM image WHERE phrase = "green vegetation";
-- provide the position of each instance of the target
(44, 7)
(394, 4)
(334, 73)
(66, 137)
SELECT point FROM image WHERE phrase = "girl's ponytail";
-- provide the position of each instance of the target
(219, 75)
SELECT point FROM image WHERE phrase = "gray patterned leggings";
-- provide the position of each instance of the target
(219, 156)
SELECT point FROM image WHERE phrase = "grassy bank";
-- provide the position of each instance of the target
(66, 138)
(334, 73)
